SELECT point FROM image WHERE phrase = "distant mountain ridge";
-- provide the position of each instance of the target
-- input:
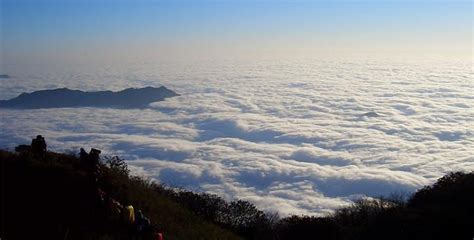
(64, 97)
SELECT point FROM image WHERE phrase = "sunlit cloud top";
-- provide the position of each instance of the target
(147, 30)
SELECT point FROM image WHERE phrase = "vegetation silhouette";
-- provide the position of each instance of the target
(53, 197)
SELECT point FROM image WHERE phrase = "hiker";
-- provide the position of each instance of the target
(90, 162)
(154, 233)
(102, 196)
(83, 156)
(38, 146)
(128, 217)
(157, 235)
(114, 208)
(138, 220)
(129, 214)
(94, 156)
(142, 222)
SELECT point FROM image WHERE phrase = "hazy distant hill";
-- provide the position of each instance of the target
(4, 76)
(63, 97)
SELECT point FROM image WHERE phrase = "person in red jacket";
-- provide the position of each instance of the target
(157, 236)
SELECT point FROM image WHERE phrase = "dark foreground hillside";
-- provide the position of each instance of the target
(53, 196)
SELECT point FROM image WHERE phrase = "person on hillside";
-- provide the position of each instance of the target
(157, 235)
(138, 220)
(129, 214)
(89, 159)
(90, 162)
(38, 146)
(114, 208)
(94, 156)
(83, 156)
(142, 222)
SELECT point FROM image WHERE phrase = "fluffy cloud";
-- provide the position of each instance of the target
(289, 136)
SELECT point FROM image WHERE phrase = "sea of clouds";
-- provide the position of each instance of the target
(290, 136)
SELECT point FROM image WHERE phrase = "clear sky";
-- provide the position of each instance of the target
(147, 30)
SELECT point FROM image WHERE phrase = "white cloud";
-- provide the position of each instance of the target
(285, 135)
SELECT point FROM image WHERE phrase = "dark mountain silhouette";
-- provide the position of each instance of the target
(64, 97)
(4, 76)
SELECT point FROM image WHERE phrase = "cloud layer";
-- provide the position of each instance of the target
(289, 136)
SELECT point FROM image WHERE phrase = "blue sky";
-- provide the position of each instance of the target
(81, 30)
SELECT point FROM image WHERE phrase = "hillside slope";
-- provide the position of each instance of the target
(55, 198)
